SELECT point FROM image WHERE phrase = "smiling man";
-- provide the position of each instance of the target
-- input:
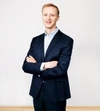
(48, 60)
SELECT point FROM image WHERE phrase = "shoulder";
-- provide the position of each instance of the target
(36, 38)
(65, 36)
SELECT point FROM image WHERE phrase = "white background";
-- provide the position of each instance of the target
(20, 21)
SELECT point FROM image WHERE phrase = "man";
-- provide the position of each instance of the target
(47, 60)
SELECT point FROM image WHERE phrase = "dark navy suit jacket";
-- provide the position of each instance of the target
(55, 79)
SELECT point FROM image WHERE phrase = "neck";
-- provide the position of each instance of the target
(48, 30)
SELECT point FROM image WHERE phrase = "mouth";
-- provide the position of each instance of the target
(48, 22)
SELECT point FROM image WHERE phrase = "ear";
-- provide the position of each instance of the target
(58, 17)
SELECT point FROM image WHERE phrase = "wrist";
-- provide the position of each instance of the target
(44, 67)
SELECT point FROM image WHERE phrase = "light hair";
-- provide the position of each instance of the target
(51, 5)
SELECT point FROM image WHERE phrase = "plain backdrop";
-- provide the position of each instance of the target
(20, 21)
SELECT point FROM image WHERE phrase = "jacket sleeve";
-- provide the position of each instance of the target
(32, 68)
(61, 69)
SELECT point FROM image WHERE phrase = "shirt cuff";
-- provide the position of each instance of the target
(41, 67)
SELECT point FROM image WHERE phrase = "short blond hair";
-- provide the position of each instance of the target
(51, 5)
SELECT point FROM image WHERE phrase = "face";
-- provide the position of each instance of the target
(50, 17)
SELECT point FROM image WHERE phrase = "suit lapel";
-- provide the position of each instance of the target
(41, 47)
(53, 43)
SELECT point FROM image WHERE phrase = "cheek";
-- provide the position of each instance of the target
(54, 20)
(43, 20)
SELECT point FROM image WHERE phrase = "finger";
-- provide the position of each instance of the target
(32, 58)
(28, 59)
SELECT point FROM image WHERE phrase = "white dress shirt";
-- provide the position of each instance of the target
(47, 40)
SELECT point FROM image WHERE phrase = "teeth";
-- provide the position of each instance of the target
(48, 22)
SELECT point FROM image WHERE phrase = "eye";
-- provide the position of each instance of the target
(45, 14)
(52, 15)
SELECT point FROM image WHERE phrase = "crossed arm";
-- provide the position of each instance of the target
(47, 65)
(50, 68)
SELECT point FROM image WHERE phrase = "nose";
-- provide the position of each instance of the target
(48, 17)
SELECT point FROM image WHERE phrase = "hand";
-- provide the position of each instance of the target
(51, 64)
(30, 59)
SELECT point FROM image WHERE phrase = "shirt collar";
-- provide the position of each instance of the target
(53, 32)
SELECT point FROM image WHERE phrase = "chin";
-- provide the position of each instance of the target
(48, 26)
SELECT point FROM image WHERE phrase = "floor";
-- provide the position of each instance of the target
(70, 108)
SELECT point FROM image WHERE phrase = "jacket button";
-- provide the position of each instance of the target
(38, 75)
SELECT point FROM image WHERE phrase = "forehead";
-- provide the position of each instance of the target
(49, 9)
